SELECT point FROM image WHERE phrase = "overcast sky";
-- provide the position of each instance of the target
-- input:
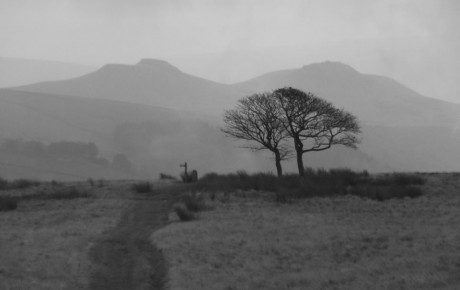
(416, 42)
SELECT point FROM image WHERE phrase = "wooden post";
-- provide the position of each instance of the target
(186, 173)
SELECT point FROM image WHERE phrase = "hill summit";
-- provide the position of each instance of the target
(151, 82)
(331, 67)
(157, 64)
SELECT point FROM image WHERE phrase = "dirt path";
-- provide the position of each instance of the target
(125, 258)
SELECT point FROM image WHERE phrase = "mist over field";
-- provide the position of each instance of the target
(150, 81)
(158, 117)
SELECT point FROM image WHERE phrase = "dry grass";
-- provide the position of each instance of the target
(44, 243)
(343, 242)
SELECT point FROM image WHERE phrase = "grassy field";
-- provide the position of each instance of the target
(243, 240)
(45, 241)
(248, 241)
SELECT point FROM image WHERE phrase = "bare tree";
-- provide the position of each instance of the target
(314, 124)
(256, 118)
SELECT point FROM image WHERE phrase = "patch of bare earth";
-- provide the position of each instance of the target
(320, 243)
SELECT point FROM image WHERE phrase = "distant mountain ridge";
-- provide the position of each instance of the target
(376, 100)
(402, 130)
(150, 81)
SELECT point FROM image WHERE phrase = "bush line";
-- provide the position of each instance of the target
(322, 183)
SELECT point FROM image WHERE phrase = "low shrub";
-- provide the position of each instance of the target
(184, 214)
(17, 184)
(241, 180)
(400, 179)
(91, 182)
(413, 191)
(194, 203)
(242, 174)
(283, 196)
(189, 178)
(59, 194)
(3, 184)
(23, 183)
(143, 187)
(385, 192)
(101, 183)
(55, 183)
(68, 193)
(8, 203)
(164, 176)
(317, 183)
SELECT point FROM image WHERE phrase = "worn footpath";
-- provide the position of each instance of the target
(124, 258)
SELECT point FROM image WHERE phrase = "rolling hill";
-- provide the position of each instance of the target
(161, 117)
(151, 82)
(155, 139)
(401, 128)
(19, 72)
(49, 118)
(376, 100)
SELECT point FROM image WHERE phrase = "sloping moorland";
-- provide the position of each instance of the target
(79, 235)
(104, 234)
(247, 241)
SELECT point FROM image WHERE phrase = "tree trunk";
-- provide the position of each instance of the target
(300, 163)
(299, 151)
(279, 169)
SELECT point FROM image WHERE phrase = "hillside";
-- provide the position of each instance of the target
(48, 117)
(152, 82)
(161, 117)
(401, 128)
(376, 100)
(38, 168)
(155, 139)
(19, 72)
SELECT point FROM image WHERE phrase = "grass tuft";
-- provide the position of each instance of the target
(184, 214)
(194, 203)
(143, 187)
(8, 203)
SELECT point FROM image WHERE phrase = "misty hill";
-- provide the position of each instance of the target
(16, 166)
(376, 100)
(152, 82)
(401, 128)
(155, 139)
(48, 117)
(19, 72)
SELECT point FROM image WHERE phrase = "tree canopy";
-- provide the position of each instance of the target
(313, 123)
(256, 118)
(269, 120)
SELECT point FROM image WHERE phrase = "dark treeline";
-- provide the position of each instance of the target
(64, 150)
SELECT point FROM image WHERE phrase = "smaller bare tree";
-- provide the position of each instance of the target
(256, 118)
